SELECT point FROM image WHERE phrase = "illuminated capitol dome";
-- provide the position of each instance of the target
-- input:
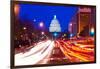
(55, 25)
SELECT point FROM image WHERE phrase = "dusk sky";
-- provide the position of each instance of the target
(46, 13)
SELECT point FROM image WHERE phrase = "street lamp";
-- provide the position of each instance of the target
(55, 34)
(41, 24)
(24, 28)
(92, 31)
(71, 35)
(70, 27)
(16, 9)
(70, 24)
(42, 33)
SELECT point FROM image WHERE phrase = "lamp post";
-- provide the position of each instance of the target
(92, 31)
(55, 34)
(24, 28)
(41, 24)
(16, 9)
(70, 30)
(42, 33)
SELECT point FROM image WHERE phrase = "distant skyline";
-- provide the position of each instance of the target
(45, 13)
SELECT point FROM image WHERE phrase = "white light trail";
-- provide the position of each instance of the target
(35, 49)
(41, 50)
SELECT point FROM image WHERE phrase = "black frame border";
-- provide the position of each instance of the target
(12, 66)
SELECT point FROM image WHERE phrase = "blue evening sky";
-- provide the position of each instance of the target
(46, 13)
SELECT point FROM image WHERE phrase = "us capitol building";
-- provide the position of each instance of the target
(55, 25)
(54, 28)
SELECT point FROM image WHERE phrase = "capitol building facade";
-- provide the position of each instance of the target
(55, 25)
(55, 28)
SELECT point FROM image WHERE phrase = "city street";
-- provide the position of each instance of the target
(45, 34)
(57, 52)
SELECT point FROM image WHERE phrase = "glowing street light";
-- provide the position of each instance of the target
(70, 24)
(16, 9)
(41, 24)
(55, 34)
(24, 28)
(92, 32)
(70, 27)
(42, 33)
(71, 35)
(64, 34)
